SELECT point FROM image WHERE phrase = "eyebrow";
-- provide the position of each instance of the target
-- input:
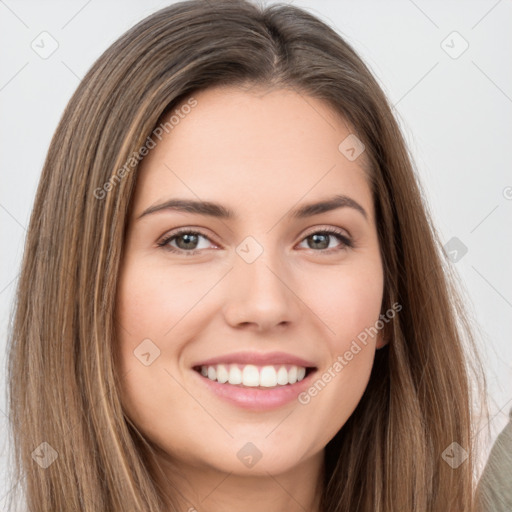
(217, 210)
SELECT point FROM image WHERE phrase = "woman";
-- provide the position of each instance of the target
(185, 343)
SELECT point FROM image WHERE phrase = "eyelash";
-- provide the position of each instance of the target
(345, 241)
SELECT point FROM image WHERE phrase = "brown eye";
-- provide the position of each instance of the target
(189, 241)
(186, 242)
(321, 240)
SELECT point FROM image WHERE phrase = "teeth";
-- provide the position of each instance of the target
(222, 374)
(268, 377)
(254, 376)
(250, 376)
(282, 376)
(292, 375)
(235, 375)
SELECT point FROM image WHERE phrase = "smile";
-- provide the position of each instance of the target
(257, 388)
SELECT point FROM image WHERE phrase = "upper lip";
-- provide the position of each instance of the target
(258, 359)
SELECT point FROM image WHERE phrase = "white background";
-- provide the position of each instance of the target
(456, 114)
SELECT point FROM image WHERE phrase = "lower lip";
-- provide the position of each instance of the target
(257, 399)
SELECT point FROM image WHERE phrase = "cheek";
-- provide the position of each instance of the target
(149, 305)
(350, 306)
(348, 302)
(154, 311)
(151, 300)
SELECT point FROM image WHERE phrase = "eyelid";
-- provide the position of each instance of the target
(328, 228)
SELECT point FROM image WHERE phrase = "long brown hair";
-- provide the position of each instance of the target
(74, 447)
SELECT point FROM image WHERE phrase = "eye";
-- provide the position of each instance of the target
(187, 241)
(321, 240)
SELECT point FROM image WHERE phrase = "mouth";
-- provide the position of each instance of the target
(255, 388)
(255, 376)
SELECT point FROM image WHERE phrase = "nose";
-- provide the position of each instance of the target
(261, 295)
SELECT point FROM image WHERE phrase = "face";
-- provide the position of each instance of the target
(272, 293)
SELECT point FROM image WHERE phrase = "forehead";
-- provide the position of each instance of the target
(251, 147)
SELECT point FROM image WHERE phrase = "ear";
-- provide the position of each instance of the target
(381, 341)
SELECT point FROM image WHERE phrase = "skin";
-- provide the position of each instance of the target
(260, 153)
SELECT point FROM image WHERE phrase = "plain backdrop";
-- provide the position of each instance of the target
(445, 65)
